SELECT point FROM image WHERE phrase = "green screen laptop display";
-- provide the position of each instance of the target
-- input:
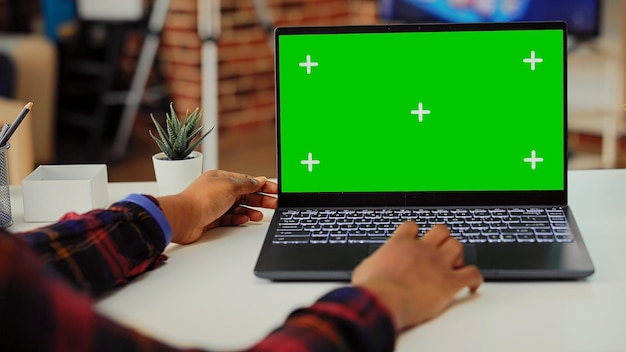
(421, 111)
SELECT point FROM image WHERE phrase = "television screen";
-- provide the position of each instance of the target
(582, 16)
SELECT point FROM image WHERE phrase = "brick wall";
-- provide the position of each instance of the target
(246, 73)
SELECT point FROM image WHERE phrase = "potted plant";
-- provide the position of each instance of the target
(178, 164)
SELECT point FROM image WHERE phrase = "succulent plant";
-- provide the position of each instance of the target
(177, 139)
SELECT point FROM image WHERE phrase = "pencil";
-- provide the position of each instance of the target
(5, 128)
(16, 124)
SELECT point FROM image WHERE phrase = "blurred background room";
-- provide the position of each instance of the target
(96, 70)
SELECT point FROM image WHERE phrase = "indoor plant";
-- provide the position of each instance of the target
(175, 141)
(178, 164)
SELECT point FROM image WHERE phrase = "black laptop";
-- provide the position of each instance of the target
(461, 124)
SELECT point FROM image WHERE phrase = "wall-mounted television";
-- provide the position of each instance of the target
(582, 16)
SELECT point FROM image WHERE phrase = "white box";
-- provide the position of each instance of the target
(114, 10)
(53, 190)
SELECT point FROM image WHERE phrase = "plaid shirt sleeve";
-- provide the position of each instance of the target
(39, 311)
(103, 248)
(346, 319)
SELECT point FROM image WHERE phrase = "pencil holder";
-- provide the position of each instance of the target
(6, 219)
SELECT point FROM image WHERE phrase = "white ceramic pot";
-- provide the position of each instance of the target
(173, 176)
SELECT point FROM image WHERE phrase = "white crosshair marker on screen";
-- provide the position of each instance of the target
(308, 64)
(533, 160)
(310, 162)
(532, 60)
(420, 112)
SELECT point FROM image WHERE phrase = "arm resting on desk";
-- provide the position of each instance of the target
(102, 249)
(40, 312)
(346, 319)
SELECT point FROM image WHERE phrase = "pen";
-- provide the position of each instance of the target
(16, 124)
(5, 127)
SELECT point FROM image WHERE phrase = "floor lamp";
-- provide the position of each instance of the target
(209, 31)
(140, 78)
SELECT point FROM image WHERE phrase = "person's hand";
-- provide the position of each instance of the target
(217, 198)
(417, 278)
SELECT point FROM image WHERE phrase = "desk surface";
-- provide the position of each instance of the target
(207, 296)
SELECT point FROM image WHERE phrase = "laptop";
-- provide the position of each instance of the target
(462, 124)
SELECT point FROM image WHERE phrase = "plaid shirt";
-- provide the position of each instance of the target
(103, 249)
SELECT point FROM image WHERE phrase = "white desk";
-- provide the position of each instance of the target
(207, 296)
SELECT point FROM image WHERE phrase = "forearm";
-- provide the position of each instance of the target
(347, 319)
(35, 302)
(40, 312)
(101, 249)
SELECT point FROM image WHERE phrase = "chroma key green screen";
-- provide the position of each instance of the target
(420, 111)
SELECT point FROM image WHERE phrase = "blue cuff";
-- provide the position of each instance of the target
(154, 210)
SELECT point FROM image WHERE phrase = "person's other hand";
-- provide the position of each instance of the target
(417, 278)
(217, 198)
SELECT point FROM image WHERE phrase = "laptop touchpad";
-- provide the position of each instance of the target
(469, 253)
(373, 248)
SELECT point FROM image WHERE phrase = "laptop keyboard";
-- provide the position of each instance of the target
(476, 225)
